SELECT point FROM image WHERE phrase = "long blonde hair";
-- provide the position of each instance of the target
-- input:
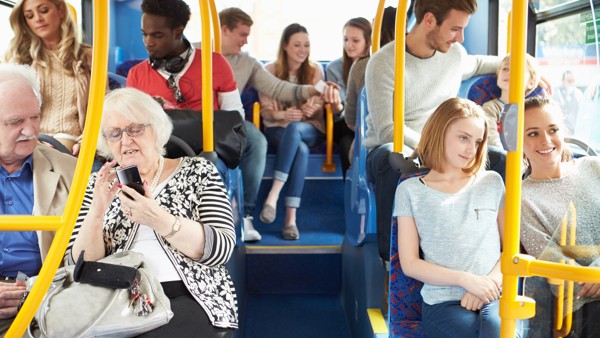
(26, 47)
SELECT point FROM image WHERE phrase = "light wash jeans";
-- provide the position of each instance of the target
(293, 144)
(252, 165)
(449, 319)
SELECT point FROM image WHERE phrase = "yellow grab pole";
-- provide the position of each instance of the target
(84, 166)
(508, 30)
(329, 166)
(207, 90)
(216, 26)
(513, 307)
(256, 115)
(399, 75)
(376, 33)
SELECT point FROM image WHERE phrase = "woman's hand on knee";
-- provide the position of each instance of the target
(483, 287)
(470, 302)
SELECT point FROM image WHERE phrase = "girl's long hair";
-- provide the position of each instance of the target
(306, 71)
(365, 26)
(26, 47)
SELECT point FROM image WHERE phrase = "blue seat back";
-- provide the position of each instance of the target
(483, 88)
(405, 301)
(249, 96)
(116, 81)
(125, 66)
(359, 199)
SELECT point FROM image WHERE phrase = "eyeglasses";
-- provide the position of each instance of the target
(177, 95)
(133, 130)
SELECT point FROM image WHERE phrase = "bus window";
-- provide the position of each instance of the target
(323, 20)
(566, 48)
(544, 5)
(4, 27)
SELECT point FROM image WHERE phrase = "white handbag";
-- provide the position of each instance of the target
(80, 309)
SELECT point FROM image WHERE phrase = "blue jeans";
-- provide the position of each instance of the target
(293, 143)
(252, 165)
(449, 319)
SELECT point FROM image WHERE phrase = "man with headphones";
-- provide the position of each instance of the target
(173, 72)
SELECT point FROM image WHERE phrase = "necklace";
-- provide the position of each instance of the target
(161, 163)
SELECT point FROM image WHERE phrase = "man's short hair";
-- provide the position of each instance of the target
(441, 8)
(232, 16)
(177, 12)
(11, 73)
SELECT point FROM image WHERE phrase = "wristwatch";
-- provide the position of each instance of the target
(175, 228)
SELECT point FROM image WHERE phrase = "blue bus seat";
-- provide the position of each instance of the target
(116, 81)
(125, 66)
(405, 301)
(249, 96)
(359, 199)
(483, 88)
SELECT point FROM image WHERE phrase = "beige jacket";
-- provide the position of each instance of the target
(53, 173)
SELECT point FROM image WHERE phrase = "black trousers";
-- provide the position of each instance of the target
(343, 137)
(189, 318)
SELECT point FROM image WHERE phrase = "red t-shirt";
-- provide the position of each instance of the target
(149, 80)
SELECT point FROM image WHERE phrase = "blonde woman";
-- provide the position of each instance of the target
(46, 38)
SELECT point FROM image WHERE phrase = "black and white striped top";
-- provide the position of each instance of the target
(195, 191)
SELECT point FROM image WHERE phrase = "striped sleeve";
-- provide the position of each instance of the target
(85, 208)
(215, 215)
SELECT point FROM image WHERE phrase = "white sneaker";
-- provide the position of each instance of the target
(249, 234)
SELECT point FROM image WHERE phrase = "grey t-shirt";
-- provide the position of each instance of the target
(456, 231)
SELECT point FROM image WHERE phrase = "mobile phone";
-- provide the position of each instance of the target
(320, 86)
(130, 176)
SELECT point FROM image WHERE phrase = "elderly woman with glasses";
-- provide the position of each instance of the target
(182, 223)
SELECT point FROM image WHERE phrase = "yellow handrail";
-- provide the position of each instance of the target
(376, 33)
(508, 36)
(563, 315)
(513, 307)
(399, 75)
(216, 26)
(329, 165)
(256, 114)
(207, 88)
(64, 224)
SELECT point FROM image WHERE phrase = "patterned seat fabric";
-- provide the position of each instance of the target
(405, 301)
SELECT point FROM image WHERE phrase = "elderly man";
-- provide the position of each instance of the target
(34, 180)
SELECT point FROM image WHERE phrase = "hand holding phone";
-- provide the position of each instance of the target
(130, 176)
(320, 86)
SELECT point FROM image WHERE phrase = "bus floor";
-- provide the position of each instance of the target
(293, 288)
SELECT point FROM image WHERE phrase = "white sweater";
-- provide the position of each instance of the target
(428, 83)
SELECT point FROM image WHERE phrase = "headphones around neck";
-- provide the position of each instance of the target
(174, 64)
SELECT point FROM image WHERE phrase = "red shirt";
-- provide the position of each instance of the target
(149, 80)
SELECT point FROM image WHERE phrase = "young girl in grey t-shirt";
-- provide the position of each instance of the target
(455, 215)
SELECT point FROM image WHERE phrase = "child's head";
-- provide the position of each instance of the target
(531, 74)
(455, 132)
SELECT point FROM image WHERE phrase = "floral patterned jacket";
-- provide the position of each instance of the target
(194, 191)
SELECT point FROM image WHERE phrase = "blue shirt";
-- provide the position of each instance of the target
(19, 250)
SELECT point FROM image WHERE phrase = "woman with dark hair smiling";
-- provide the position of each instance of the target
(292, 128)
